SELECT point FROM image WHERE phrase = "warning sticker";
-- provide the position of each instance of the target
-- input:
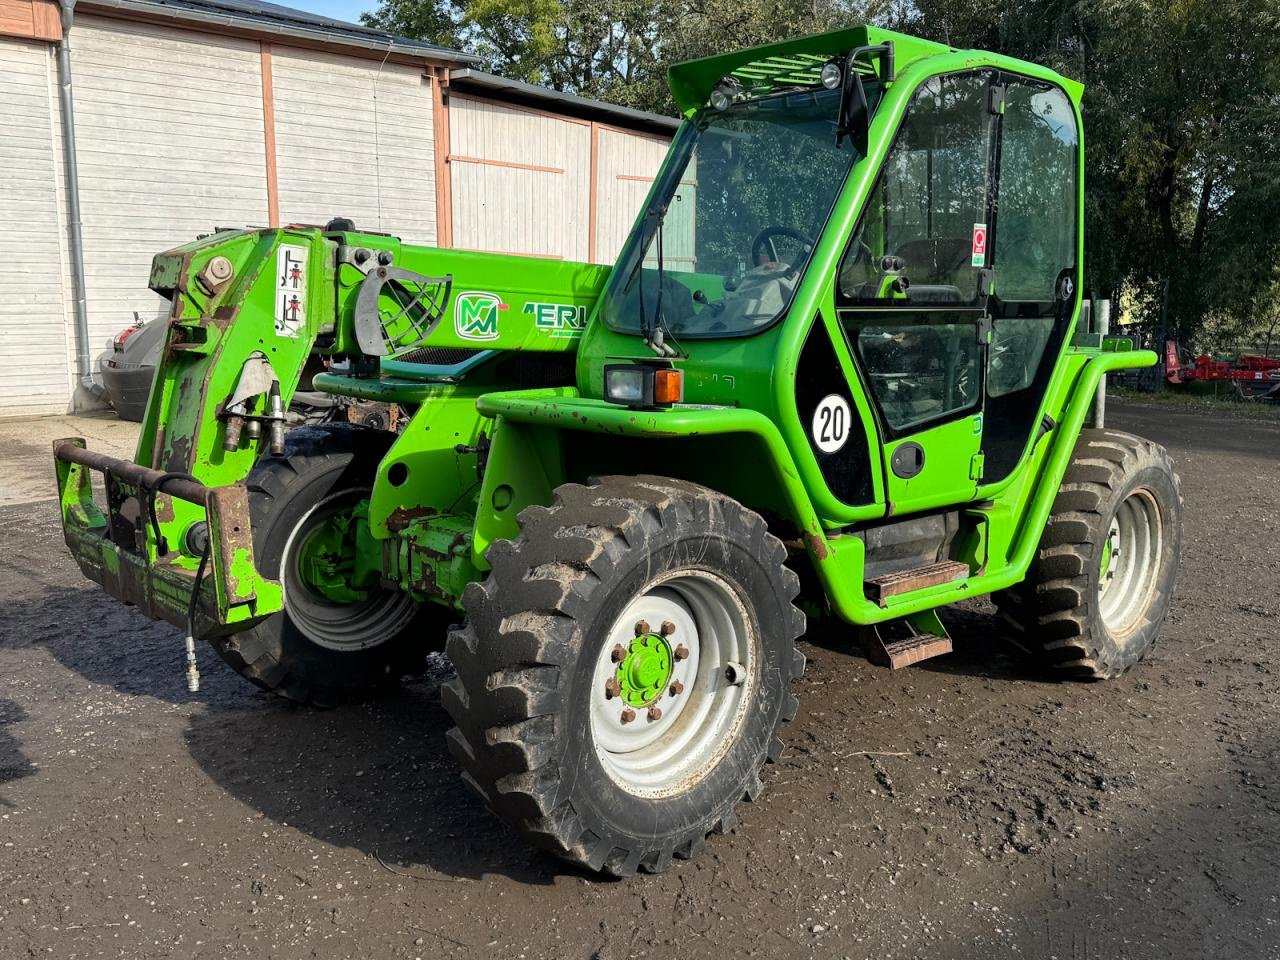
(291, 290)
(979, 244)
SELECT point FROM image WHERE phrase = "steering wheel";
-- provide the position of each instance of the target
(763, 243)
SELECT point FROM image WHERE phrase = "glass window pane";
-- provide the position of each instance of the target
(1017, 346)
(931, 198)
(742, 199)
(922, 372)
(1035, 234)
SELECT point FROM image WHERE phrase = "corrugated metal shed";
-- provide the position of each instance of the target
(192, 114)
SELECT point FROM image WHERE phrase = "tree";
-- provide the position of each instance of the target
(1182, 105)
(1179, 97)
(615, 50)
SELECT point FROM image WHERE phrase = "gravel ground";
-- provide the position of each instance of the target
(962, 808)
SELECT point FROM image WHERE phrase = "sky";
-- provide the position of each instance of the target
(338, 9)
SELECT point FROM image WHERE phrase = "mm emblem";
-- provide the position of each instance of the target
(558, 319)
(475, 315)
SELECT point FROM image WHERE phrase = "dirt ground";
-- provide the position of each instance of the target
(962, 808)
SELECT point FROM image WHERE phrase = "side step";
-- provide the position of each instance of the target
(900, 643)
(881, 589)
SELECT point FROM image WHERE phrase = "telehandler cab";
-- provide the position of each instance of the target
(840, 349)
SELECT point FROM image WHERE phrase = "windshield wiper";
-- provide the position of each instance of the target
(655, 334)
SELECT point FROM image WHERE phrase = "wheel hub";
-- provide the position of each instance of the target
(666, 703)
(324, 579)
(327, 559)
(645, 671)
(1129, 562)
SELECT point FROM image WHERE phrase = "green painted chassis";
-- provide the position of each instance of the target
(435, 509)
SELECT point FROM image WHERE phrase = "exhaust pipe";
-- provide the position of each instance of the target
(75, 232)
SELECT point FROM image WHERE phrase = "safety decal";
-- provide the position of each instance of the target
(561, 320)
(291, 290)
(475, 315)
(979, 245)
(831, 421)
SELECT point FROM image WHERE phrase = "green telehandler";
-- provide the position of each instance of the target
(838, 368)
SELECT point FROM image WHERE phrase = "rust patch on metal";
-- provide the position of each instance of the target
(402, 517)
(905, 581)
(817, 545)
(229, 514)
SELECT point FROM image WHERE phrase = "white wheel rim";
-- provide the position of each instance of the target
(1127, 582)
(346, 628)
(668, 755)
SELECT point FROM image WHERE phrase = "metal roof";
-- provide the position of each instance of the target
(476, 81)
(284, 21)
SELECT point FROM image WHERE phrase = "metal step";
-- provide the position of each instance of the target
(900, 643)
(881, 589)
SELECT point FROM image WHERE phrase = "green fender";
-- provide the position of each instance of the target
(525, 466)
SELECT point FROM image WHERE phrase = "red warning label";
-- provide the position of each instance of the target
(979, 244)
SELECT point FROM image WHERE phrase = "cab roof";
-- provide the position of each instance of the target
(791, 62)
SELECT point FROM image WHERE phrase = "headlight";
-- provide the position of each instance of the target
(724, 93)
(831, 75)
(627, 385)
(638, 385)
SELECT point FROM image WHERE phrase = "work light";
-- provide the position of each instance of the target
(831, 74)
(724, 93)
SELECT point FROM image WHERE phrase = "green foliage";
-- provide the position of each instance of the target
(614, 50)
(1182, 106)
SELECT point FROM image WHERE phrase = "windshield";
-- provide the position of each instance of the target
(723, 244)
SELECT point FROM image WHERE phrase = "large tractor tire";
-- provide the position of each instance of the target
(625, 670)
(331, 642)
(1099, 588)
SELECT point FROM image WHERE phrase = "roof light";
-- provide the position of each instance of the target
(724, 93)
(832, 74)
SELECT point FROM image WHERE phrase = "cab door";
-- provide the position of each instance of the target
(913, 289)
(1035, 246)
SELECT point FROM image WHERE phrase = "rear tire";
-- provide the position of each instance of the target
(1100, 585)
(587, 583)
(317, 651)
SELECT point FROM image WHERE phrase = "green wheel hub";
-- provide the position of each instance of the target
(327, 560)
(1108, 548)
(645, 670)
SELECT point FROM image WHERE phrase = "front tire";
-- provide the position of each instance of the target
(1099, 588)
(625, 670)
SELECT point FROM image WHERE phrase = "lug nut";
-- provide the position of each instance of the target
(681, 652)
(642, 627)
(628, 715)
(677, 688)
(612, 688)
(619, 653)
(667, 628)
(655, 713)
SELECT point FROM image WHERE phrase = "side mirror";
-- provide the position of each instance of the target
(854, 120)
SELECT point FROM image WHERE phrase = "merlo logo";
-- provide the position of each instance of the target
(475, 315)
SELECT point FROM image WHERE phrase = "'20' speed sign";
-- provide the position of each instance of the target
(831, 422)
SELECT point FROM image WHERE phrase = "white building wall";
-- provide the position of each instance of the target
(34, 372)
(521, 180)
(172, 143)
(169, 136)
(354, 139)
(627, 165)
